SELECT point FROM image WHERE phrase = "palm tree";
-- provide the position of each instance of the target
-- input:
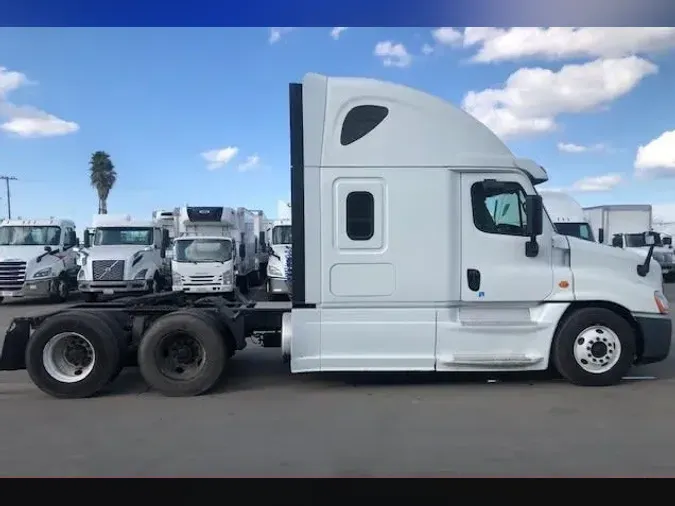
(103, 176)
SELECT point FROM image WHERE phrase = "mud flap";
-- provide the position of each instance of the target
(13, 355)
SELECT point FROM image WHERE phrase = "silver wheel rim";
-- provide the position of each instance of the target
(597, 349)
(68, 357)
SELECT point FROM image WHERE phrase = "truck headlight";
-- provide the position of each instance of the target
(176, 278)
(661, 302)
(141, 274)
(43, 273)
(227, 277)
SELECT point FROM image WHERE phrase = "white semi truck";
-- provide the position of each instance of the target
(37, 258)
(122, 256)
(261, 250)
(624, 226)
(511, 295)
(280, 239)
(205, 253)
(248, 262)
(567, 215)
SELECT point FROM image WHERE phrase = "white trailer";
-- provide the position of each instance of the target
(205, 254)
(261, 251)
(122, 256)
(510, 295)
(567, 215)
(248, 265)
(37, 258)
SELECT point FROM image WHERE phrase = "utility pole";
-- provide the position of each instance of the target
(9, 202)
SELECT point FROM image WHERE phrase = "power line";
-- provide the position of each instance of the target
(9, 202)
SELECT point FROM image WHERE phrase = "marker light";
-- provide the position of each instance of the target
(661, 302)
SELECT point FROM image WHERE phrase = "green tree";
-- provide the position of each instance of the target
(103, 176)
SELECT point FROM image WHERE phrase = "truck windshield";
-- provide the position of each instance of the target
(281, 234)
(580, 230)
(635, 240)
(119, 236)
(203, 250)
(30, 236)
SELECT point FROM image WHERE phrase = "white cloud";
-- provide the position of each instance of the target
(427, 49)
(657, 157)
(25, 121)
(556, 43)
(446, 35)
(251, 162)
(597, 183)
(10, 80)
(337, 31)
(578, 148)
(392, 54)
(217, 158)
(43, 125)
(277, 32)
(533, 98)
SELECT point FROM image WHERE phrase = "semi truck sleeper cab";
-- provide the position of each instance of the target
(511, 295)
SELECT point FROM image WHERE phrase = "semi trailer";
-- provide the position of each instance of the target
(511, 295)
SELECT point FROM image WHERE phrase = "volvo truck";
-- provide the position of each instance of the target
(511, 295)
(567, 215)
(37, 259)
(122, 256)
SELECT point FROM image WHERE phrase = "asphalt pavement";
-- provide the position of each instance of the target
(266, 422)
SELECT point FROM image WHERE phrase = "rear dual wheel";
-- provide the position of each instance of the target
(75, 354)
(184, 353)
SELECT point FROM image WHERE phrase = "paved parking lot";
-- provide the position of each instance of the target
(265, 422)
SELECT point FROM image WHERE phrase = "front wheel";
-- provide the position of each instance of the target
(59, 290)
(594, 347)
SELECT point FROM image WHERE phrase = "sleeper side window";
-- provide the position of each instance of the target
(360, 215)
(360, 121)
(499, 207)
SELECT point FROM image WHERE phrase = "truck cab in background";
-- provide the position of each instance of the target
(637, 243)
(37, 258)
(567, 215)
(280, 236)
(204, 257)
(168, 220)
(122, 256)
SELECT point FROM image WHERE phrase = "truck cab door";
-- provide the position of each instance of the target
(495, 267)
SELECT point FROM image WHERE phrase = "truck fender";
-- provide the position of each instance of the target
(13, 354)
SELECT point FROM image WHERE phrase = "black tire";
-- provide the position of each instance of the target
(60, 290)
(117, 326)
(254, 278)
(244, 285)
(90, 296)
(101, 335)
(569, 336)
(202, 329)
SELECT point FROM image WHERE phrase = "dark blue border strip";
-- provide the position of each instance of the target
(338, 13)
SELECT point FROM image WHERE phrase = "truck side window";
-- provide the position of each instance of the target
(499, 207)
(360, 121)
(360, 215)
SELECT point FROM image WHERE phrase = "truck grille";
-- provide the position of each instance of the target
(202, 280)
(12, 275)
(108, 270)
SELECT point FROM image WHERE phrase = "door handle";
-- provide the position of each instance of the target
(473, 279)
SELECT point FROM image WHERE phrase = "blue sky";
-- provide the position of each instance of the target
(158, 99)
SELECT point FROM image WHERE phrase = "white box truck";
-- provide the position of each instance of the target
(122, 256)
(205, 254)
(37, 258)
(511, 295)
